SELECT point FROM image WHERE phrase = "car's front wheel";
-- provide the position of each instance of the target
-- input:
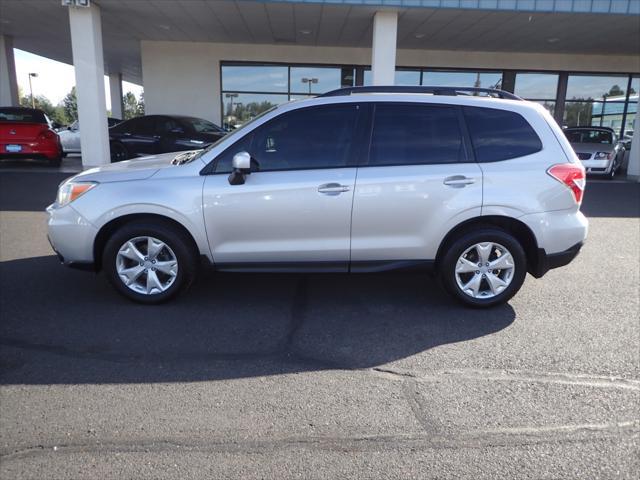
(118, 152)
(484, 268)
(149, 263)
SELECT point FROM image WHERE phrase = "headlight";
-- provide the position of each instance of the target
(603, 155)
(69, 191)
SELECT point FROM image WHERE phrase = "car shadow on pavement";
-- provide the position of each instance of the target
(64, 326)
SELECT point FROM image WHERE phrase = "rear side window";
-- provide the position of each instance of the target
(415, 134)
(500, 134)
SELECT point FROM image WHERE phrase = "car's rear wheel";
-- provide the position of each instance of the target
(149, 263)
(118, 152)
(484, 268)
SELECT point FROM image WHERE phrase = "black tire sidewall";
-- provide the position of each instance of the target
(175, 239)
(117, 146)
(457, 247)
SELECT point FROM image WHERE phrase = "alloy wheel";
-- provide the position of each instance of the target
(146, 265)
(484, 270)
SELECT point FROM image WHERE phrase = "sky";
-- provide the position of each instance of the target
(54, 79)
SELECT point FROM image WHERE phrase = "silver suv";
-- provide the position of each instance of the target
(475, 185)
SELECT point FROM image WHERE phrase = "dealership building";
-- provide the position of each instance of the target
(228, 60)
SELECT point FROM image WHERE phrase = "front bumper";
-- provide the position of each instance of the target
(71, 236)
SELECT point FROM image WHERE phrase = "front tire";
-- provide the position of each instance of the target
(483, 268)
(150, 262)
(119, 152)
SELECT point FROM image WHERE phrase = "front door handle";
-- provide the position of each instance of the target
(458, 181)
(333, 188)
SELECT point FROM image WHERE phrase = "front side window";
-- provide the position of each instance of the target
(414, 134)
(309, 138)
(500, 134)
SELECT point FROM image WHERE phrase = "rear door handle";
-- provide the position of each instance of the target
(333, 188)
(458, 181)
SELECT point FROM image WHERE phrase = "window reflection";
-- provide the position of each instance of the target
(239, 108)
(594, 87)
(538, 86)
(315, 79)
(462, 79)
(254, 78)
(402, 77)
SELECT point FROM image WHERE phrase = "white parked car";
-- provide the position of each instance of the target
(366, 179)
(70, 136)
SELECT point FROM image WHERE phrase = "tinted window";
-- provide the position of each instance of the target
(589, 136)
(318, 137)
(165, 125)
(20, 115)
(141, 126)
(414, 135)
(500, 134)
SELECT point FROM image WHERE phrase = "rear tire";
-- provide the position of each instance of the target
(139, 258)
(483, 268)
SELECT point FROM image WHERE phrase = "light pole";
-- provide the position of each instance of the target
(230, 96)
(309, 81)
(33, 102)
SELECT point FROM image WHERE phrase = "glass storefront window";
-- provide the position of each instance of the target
(462, 79)
(317, 80)
(255, 78)
(537, 86)
(239, 108)
(402, 77)
(596, 87)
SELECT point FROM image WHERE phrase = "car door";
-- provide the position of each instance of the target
(294, 209)
(418, 183)
(138, 135)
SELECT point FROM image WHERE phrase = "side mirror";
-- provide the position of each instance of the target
(241, 164)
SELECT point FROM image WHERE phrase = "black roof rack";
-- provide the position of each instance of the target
(433, 90)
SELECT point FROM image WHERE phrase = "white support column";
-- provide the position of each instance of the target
(8, 82)
(633, 169)
(383, 55)
(115, 90)
(86, 42)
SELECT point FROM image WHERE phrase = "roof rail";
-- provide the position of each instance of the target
(433, 90)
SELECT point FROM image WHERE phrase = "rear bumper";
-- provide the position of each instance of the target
(547, 261)
(49, 150)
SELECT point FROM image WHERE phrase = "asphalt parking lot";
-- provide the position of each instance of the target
(318, 376)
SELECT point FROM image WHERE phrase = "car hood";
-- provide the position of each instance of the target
(592, 147)
(137, 169)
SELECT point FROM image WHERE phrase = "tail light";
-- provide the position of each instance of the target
(572, 175)
(47, 135)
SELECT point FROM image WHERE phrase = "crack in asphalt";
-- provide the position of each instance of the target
(509, 437)
(576, 379)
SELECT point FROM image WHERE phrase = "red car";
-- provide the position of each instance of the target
(27, 133)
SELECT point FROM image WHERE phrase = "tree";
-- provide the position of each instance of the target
(41, 102)
(132, 106)
(70, 106)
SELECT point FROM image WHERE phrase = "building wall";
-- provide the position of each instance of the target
(184, 77)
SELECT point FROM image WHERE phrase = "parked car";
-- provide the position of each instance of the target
(598, 148)
(27, 133)
(70, 136)
(477, 190)
(154, 134)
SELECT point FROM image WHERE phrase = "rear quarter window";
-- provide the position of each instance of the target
(500, 134)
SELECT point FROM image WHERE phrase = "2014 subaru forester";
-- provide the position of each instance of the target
(475, 185)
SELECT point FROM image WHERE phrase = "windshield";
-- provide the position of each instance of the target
(589, 136)
(235, 133)
(13, 115)
(202, 126)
